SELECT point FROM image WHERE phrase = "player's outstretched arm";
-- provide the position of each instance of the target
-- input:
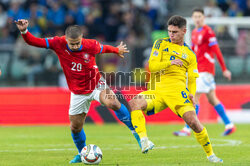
(217, 51)
(122, 49)
(227, 74)
(22, 25)
(192, 71)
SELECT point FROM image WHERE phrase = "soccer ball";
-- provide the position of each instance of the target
(91, 154)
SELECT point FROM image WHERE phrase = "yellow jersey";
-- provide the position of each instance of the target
(165, 75)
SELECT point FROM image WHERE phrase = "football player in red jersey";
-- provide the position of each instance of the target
(205, 45)
(77, 58)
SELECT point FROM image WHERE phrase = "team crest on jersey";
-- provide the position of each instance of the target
(86, 58)
(155, 53)
(184, 56)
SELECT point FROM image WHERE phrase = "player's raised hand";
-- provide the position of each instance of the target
(227, 74)
(192, 99)
(122, 49)
(22, 24)
(177, 62)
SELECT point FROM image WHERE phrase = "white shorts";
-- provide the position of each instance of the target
(81, 103)
(205, 83)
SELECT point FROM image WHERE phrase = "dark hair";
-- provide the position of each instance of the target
(198, 10)
(178, 21)
(73, 31)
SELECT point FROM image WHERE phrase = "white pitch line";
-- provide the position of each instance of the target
(226, 143)
(39, 145)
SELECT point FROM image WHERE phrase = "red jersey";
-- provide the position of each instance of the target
(205, 45)
(79, 67)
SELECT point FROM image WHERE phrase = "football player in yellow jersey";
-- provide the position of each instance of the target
(169, 62)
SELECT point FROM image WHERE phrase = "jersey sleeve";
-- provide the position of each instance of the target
(192, 74)
(93, 46)
(39, 42)
(217, 52)
(211, 38)
(192, 67)
(52, 42)
(192, 86)
(213, 44)
(34, 41)
(96, 48)
(155, 61)
(109, 49)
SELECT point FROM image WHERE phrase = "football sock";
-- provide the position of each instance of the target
(204, 141)
(139, 123)
(79, 139)
(197, 108)
(124, 116)
(221, 111)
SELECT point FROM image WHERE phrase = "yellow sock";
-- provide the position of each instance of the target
(204, 141)
(139, 123)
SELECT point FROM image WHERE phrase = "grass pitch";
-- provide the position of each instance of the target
(52, 146)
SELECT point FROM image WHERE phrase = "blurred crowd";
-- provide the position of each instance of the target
(231, 8)
(240, 43)
(108, 21)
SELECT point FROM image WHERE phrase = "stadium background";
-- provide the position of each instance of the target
(32, 86)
